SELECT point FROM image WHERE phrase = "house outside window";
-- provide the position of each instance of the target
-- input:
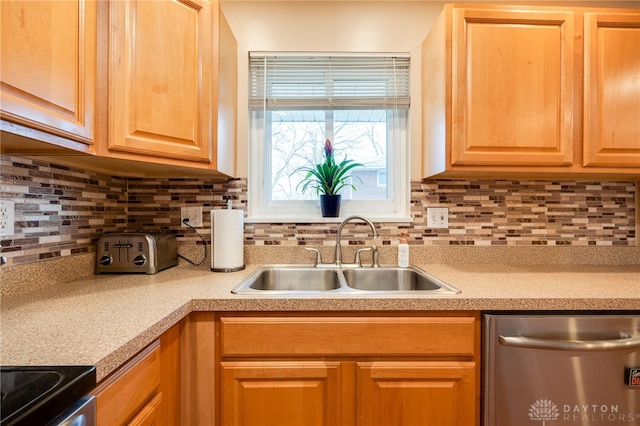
(359, 102)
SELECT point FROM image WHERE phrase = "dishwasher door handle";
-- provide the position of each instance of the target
(624, 342)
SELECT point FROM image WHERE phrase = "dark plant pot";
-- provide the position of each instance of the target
(330, 205)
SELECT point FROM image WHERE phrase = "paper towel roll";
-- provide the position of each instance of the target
(227, 240)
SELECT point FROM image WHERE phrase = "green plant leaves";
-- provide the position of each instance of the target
(328, 177)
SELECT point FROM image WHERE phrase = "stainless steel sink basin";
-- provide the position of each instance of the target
(300, 280)
(394, 279)
(290, 279)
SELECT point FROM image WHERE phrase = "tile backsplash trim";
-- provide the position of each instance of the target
(61, 211)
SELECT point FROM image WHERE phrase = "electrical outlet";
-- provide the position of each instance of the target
(7, 218)
(194, 214)
(437, 218)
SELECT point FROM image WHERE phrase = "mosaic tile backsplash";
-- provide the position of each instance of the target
(61, 211)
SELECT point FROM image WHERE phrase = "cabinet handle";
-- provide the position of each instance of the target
(625, 341)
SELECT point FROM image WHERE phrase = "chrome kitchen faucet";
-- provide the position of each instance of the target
(374, 250)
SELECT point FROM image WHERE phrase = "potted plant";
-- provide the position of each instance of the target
(328, 179)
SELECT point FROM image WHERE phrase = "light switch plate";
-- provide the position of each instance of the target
(437, 217)
(7, 218)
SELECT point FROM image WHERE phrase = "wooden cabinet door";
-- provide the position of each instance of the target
(416, 393)
(161, 79)
(512, 87)
(130, 393)
(48, 67)
(612, 90)
(283, 393)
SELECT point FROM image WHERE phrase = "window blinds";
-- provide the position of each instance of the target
(310, 81)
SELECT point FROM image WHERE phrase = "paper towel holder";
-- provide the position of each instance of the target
(225, 267)
(236, 269)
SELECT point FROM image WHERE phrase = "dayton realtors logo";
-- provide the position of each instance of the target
(543, 410)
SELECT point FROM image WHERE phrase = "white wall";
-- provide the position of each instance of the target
(342, 26)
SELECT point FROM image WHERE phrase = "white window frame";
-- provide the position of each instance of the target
(394, 209)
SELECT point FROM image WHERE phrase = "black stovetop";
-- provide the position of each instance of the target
(36, 395)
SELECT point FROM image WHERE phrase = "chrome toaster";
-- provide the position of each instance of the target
(136, 252)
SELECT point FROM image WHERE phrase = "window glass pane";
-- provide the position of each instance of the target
(361, 135)
(297, 140)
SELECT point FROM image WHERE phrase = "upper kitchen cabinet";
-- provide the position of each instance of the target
(612, 89)
(503, 93)
(172, 84)
(48, 73)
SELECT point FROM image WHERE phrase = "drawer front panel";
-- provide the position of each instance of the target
(121, 397)
(375, 336)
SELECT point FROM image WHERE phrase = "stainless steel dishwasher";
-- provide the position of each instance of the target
(550, 369)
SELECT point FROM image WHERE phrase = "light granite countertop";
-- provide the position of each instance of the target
(104, 320)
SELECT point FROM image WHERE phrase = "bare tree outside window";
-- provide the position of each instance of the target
(297, 139)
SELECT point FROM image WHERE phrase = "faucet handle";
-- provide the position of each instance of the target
(357, 260)
(318, 255)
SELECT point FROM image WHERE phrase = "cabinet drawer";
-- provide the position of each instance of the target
(150, 413)
(121, 397)
(326, 336)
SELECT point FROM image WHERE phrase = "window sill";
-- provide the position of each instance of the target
(316, 219)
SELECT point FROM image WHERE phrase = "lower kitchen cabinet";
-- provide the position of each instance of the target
(348, 370)
(416, 393)
(132, 395)
(146, 389)
(150, 413)
(282, 392)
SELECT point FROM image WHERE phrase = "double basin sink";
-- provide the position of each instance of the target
(300, 279)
